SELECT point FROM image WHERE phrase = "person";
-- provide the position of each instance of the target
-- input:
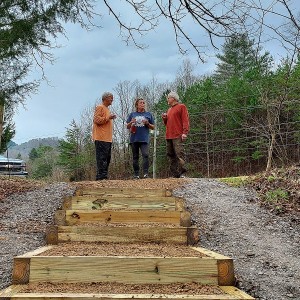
(177, 123)
(102, 135)
(139, 123)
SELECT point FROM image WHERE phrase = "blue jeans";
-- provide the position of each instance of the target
(136, 146)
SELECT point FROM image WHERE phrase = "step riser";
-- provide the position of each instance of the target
(77, 217)
(102, 203)
(214, 269)
(178, 235)
(121, 192)
(123, 270)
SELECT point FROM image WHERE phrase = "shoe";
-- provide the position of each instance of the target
(146, 176)
(136, 177)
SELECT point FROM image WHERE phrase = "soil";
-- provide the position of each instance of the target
(264, 246)
(117, 249)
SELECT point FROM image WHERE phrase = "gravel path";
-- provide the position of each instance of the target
(265, 248)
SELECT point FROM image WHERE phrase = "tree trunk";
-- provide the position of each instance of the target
(270, 152)
(1, 121)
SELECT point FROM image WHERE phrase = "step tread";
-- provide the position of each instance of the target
(123, 291)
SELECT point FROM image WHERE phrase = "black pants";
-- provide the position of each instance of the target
(103, 155)
(135, 155)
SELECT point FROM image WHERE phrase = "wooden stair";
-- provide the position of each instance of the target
(125, 218)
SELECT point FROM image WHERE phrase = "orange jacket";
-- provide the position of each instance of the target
(102, 124)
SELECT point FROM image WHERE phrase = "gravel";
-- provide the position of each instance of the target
(265, 247)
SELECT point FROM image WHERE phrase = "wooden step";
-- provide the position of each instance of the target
(201, 266)
(123, 234)
(94, 202)
(76, 217)
(122, 192)
(15, 292)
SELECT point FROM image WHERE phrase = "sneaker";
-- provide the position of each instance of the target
(136, 177)
(146, 176)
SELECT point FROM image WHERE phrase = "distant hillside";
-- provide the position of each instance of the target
(25, 148)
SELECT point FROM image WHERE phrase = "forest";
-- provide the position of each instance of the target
(244, 119)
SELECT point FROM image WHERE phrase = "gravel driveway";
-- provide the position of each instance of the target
(265, 248)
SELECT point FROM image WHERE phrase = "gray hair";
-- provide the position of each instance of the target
(173, 95)
(106, 95)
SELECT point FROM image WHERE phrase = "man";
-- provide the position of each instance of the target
(177, 127)
(102, 135)
(139, 123)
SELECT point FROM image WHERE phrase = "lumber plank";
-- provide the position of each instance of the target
(172, 235)
(117, 192)
(71, 296)
(123, 269)
(21, 270)
(231, 290)
(129, 203)
(52, 235)
(10, 291)
(225, 266)
(109, 216)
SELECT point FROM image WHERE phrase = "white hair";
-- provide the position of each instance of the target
(173, 95)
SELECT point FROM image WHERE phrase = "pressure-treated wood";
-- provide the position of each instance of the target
(15, 292)
(123, 192)
(110, 206)
(122, 203)
(123, 269)
(158, 234)
(74, 217)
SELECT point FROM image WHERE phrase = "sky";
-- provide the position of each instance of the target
(89, 63)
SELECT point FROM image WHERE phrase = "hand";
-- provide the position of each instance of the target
(146, 122)
(183, 137)
(164, 115)
(112, 116)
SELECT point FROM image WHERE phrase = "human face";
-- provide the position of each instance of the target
(141, 105)
(108, 100)
(171, 101)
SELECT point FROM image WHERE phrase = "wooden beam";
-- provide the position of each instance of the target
(52, 235)
(118, 203)
(225, 266)
(119, 192)
(15, 292)
(21, 270)
(60, 217)
(109, 216)
(123, 269)
(157, 234)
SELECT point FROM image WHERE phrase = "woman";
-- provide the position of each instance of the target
(139, 123)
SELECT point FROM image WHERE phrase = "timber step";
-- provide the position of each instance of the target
(104, 202)
(93, 291)
(120, 233)
(148, 264)
(124, 192)
(79, 216)
(118, 237)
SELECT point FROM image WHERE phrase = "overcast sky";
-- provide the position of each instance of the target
(90, 63)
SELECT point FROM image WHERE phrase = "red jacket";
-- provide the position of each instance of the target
(177, 121)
